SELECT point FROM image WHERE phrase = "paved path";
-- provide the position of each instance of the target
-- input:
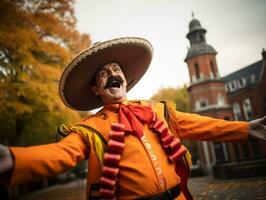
(240, 189)
(70, 191)
(203, 188)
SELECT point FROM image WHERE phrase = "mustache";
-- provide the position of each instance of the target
(113, 79)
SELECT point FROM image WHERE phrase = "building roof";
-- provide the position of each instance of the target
(196, 36)
(244, 77)
(194, 25)
(199, 49)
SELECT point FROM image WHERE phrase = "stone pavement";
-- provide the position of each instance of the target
(206, 188)
(202, 188)
(70, 191)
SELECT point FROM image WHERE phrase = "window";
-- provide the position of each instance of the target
(213, 69)
(232, 86)
(247, 109)
(219, 152)
(237, 111)
(220, 99)
(197, 70)
(253, 78)
(226, 87)
(201, 103)
(241, 82)
(201, 38)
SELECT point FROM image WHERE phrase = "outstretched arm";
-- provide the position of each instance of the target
(36, 162)
(196, 127)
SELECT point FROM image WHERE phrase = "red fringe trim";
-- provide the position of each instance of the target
(111, 160)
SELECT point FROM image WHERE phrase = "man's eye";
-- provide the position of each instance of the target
(103, 73)
(117, 69)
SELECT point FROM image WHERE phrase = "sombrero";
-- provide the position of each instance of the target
(133, 54)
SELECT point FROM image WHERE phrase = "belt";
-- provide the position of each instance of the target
(170, 194)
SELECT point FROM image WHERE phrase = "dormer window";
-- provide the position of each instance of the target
(241, 82)
(253, 78)
(232, 86)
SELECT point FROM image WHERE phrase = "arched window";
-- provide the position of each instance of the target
(197, 70)
(201, 103)
(220, 99)
(213, 69)
(247, 109)
(237, 111)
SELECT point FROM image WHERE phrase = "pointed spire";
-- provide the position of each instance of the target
(192, 14)
(263, 53)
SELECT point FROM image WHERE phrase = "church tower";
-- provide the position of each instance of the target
(207, 90)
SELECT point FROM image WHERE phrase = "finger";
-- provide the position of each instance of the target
(263, 120)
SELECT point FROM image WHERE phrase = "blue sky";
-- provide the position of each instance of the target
(236, 29)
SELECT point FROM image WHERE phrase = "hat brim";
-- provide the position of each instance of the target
(133, 54)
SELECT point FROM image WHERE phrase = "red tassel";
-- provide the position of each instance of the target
(167, 140)
(158, 124)
(163, 131)
(112, 159)
(177, 154)
(117, 126)
(107, 192)
(108, 182)
(110, 171)
(175, 144)
(115, 146)
(117, 135)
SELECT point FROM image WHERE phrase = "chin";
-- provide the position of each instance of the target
(119, 99)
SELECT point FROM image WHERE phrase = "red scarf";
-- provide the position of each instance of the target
(134, 117)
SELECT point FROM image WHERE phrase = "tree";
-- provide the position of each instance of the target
(37, 38)
(179, 96)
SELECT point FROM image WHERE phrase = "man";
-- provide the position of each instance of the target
(133, 147)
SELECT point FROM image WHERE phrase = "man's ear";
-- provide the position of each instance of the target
(95, 90)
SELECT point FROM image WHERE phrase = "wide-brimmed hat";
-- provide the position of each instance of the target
(133, 54)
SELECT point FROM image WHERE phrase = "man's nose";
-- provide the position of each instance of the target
(112, 73)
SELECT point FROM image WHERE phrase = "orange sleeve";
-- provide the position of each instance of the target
(195, 127)
(36, 162)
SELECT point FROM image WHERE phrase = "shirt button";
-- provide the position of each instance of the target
(153, 157)
(159, 170)
(161, 182)
(148, 146)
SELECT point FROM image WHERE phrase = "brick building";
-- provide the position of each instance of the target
(240, 95)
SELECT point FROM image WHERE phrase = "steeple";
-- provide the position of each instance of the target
(198, 44)
(207, 90)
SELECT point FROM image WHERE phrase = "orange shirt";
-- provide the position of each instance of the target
(144, 167)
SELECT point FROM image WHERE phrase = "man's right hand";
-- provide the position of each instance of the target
(6, 160)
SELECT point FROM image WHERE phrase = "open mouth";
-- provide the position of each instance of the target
(114, 82)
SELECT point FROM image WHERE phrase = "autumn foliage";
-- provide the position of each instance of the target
(37, 39)
(179, 96)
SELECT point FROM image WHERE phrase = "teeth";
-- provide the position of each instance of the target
(115, 84)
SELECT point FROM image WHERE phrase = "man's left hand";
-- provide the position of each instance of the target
(257, 128)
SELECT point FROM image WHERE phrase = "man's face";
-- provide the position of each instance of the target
(111, 84)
